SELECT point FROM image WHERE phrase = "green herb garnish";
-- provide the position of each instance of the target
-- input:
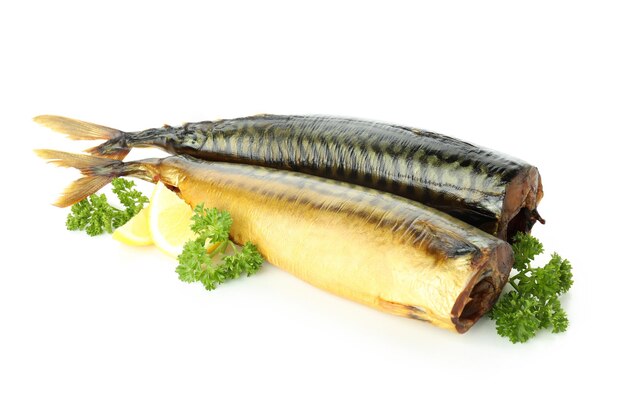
(96, 216)
(533, 303)
(212, 269)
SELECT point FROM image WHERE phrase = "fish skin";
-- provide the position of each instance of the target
(492, 191)
(369, 246)
(376, 248)
(450, 175)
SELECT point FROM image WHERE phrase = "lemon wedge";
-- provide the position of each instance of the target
(136, 231)
(168, 221)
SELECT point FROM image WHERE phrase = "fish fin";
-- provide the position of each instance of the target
(410, 311)
(114, 148)
(81, 189)
(97, 172)
(85, 163)
(77, 129)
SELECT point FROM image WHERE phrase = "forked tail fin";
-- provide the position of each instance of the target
(97, 172)
(114, 148)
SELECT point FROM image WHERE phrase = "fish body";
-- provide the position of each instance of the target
(492, 191)
(379, 249)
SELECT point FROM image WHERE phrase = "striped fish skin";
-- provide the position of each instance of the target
(372, 247)
(458, 178)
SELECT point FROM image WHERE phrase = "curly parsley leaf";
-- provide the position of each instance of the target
(132, 199)
(533, 302)
(211, 224)
(525, 248)
(516, 316)
(96, 216)
(195, 264)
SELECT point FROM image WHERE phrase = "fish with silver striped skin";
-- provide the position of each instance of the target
(492, 191)
(372, 247)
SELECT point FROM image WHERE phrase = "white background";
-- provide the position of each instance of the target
(91, 327)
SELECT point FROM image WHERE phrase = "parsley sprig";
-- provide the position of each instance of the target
(96, 216)
(533, 303)
(214, 268)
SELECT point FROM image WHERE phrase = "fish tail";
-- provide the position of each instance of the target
(97, 172)
(115, 146)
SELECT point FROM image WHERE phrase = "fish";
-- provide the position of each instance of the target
(487, 189)
(384, 251)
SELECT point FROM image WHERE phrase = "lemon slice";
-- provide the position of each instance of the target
(136, 231)
(169, 220)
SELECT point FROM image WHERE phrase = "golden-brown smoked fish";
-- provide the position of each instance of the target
(376, 248)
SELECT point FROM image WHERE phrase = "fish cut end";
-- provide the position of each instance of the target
(484, 288)
(519, 208)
